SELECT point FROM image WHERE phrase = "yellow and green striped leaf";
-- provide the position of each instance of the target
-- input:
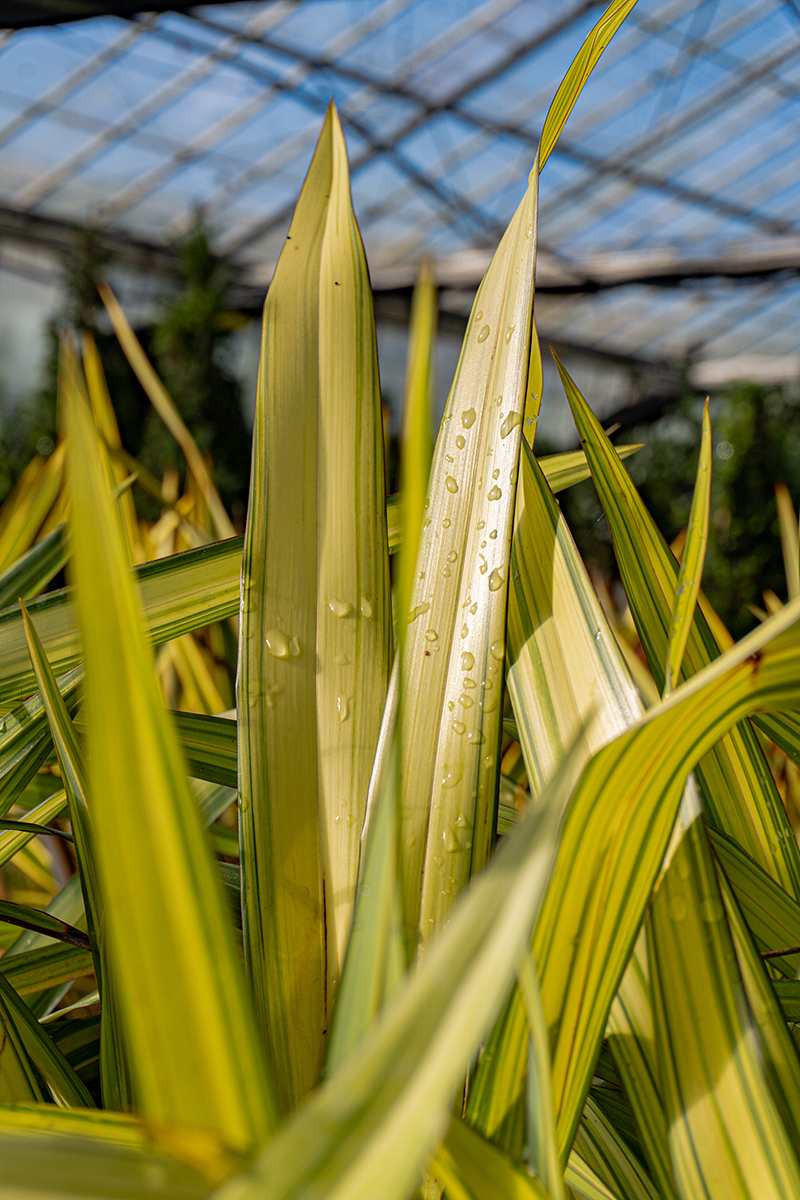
(613, 1161)
(45, 966)
(566, 679)
(455, 637)
(569, 467)
(21, 1026)
(471, 1168)
(31, 572)
(316, 619)
(726, 1134)
(575, 79)
(25, 741)
(778, 1052)
(691, 568)
(375, 958)
(738, 791)
(13, 840)
(631, 1039)
(787, 521)
(772, 916)
(193, 1045)
(371, 1129)
(179, 593)
(616, 832)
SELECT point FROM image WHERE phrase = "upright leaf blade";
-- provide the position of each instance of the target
(565, 675)
(631, 1039)
(692, 559)
(787, 520)
(455, 639)
(316, 622)
(195, 1051)
(604, 1150)
(375, 958)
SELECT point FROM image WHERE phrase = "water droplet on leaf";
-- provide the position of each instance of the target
(277, 644)
(452, 774)
(511, 422)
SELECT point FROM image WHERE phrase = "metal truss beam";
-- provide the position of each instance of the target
(49, 233)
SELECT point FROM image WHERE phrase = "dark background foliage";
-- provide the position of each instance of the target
(756, 445)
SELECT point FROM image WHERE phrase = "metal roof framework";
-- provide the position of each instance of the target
(669, 214)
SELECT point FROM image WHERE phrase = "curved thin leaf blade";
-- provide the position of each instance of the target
(692, 559)
(575, 79)
(738, 790)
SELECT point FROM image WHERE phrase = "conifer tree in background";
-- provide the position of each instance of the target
(189, 343)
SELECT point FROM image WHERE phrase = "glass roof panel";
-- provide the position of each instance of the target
(680, 155)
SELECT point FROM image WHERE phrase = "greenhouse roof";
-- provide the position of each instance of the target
(669, 220)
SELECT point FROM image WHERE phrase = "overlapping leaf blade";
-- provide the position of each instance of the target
(473, 1169)
(606, 1153)
(180, 593)
(564, 670)
(725, 1130)
(370, 1130)
(738, 791)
